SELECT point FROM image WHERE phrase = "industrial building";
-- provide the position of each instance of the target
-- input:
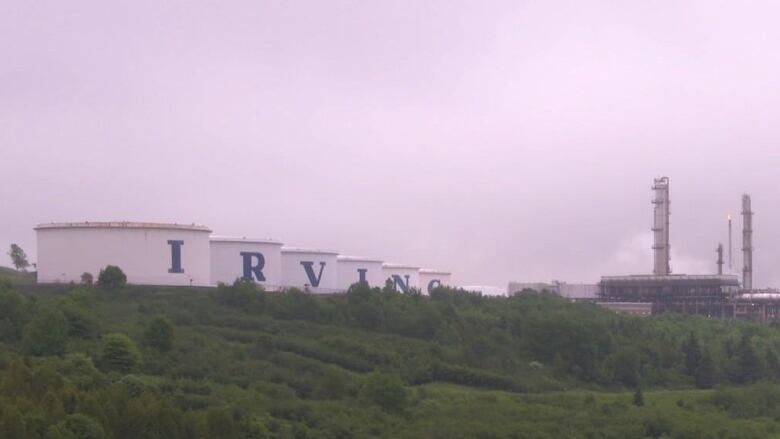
(188, 255)
(571, 291)
(715, 295)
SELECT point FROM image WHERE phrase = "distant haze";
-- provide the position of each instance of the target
(500, 140)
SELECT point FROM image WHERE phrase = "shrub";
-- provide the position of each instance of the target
(387, 391)
(120, 353)
(159, 335)
(112, 278)
(47, 333)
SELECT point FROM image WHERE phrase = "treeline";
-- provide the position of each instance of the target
(115, 361)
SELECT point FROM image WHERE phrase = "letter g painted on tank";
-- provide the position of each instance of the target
(253, 272)
(433, 284)
(175, 256)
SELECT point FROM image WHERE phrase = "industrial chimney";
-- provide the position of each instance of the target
(661, 254)
(747, 243)
(719, 261)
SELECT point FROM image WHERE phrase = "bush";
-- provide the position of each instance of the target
(159, 335)
(387, 391)
(112, 278)
(120, 353)
(86, 278)
(47, 333)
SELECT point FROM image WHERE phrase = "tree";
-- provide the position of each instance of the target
(120, 353)
(82, 320)
(692, 355)
(639, 398)
(159, 335)
(78, 426)
(387, 391)
(86, 278)
(112, 278)
(705, 373)
(18, 257)
(47, 333)
(749, 364)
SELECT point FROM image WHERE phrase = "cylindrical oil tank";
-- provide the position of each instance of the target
(353, 269)
(311, 270)
(404, 277)
(254, 260)
(148, 253)
(431, 279)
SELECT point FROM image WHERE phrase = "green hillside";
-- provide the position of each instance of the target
(238, 362)
(16, 277)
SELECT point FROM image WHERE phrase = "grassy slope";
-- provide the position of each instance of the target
(16, 277)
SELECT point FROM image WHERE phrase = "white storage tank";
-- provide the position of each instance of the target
(148, 253)
(431, 279)
(404, 277)
(255, 260)
(311, 270)
(353, 269)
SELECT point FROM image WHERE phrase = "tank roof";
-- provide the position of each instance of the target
(122, 225)
(245, 240)
(391, 265)
(307, 250)
(433, 271)
(346, 258)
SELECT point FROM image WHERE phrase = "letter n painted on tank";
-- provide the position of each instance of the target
(313, 280)
(432, 285)
(399, 283)
(362, 275)
(253, 270)
(175, 256)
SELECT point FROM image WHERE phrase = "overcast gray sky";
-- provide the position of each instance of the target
(499, 139)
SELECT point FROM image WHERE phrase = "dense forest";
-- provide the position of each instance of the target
(114, 361)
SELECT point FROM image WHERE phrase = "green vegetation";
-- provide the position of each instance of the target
(78, 361)
(17, 277)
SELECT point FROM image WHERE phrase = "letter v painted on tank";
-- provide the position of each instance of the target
(253, 272)
(399, 282)
(175, 256)
(308, 267)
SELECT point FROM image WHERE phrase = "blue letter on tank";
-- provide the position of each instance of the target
(256, 270)
(175, 256)
(313, 280)
(432, 285)
(398, 281)
(362, 275)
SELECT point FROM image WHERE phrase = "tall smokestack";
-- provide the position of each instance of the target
(719, 251)
(731, 259)
(747, 243)
(661, 254)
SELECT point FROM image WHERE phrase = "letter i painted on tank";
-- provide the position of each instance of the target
(175, 256)
(362, 275)
(399, 283)
(432, 285)
(256, 270)
(313, 280)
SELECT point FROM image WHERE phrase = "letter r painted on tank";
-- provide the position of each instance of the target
(253, 272)
(362, 275)
(175, 256)
(398, 281)
(433, 284)
(313, 280)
